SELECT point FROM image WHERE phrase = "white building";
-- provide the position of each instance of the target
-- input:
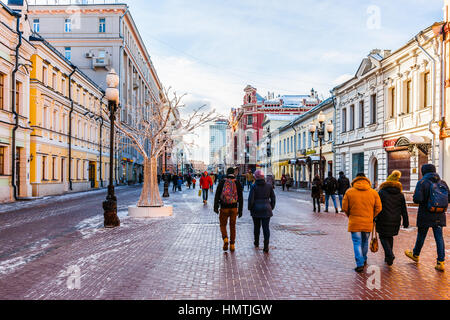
(217, 142)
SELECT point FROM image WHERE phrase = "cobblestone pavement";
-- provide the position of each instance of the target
(181, 257)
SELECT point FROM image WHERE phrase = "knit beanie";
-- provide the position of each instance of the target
(395, 176)
(259, 175)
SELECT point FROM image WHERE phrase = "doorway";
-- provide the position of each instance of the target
(92, 174)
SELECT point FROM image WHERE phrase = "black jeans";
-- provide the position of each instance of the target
(316, 200)
(388, 246)
(257, 222)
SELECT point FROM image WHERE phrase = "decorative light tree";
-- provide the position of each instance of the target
(152, 130)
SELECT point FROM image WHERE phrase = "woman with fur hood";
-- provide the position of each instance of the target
(394, 211)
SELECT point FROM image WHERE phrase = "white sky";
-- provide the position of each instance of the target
(211, 49)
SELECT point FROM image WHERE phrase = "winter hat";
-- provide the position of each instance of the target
(428, 168)
(395, 176)
(259, 175)
(230, 171)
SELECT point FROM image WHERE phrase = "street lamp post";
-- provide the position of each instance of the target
(110, 205)
(320, 130)
(166, 175)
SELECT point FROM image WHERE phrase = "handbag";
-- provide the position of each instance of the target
(374, 242)
(200, 192)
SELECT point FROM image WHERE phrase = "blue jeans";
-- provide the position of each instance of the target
(327, 199)
(341, 197)
(205, 194)
(361, 247)
(438, 237)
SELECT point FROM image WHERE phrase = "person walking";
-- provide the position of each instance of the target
(316, 192)
(194, 181)
(213, 178)
(330, 186)
(394, 211)
(283, 181)
(289, 182)
(361, 204)
(180, 182)
(261, 203)
(205, 185)
(270, 180)
(228, 204)
(175, 183)
(432, 195)
(343, 186)
(250, 179)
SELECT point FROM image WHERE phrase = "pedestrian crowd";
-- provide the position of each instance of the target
(370, 212)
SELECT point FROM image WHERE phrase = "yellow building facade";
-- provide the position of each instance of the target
(70, 139)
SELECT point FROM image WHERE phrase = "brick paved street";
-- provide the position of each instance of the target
(181, 257)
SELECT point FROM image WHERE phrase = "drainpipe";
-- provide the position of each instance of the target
(333, 142)
(70, 129)
(13, 107)
(442, 115)
(433, 104)
(101, 144)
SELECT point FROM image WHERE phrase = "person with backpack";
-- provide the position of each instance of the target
(261, 203)
(330, 186)
(316, 192)
(433, 196)
(343, 186)
(205, 185)
(228, 204)
(394, 211)
(361, 204)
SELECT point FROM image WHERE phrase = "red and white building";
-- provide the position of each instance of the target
(246, 122)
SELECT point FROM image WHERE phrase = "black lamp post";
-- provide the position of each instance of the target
(110, 205)
(321, 137)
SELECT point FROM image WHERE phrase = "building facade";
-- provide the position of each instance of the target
(246, 122)
(218, 142)
(70, 138)
(445, 112)
(98, 37)
(14, 112)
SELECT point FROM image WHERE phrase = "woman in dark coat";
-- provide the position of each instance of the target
(316, 192)
(261, 202)
(394, 210)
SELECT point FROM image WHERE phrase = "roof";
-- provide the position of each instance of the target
(293, 100)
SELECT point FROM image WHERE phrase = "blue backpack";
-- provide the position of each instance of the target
(438, 199)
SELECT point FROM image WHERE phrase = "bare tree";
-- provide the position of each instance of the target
(153, 128)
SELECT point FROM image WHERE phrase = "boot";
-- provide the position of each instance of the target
(225, 244)
(266, 246)
(411, 255)
(440, 266)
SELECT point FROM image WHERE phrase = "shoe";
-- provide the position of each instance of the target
(411, 255)
(266, 246)
(256, 243)
(315, 210)
(389, 261)
(440, 266)
(232, 247)
(359, 269)
(326, 211)
(337, 211)
(225, 244)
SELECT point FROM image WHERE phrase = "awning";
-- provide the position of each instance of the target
(409, 139)
(283, 163)
(316, 158)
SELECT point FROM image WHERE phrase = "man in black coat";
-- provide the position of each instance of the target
(330, 186)
(343, 186)
(427, 219)
(229, 211)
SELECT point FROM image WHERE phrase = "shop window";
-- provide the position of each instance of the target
(2, 160)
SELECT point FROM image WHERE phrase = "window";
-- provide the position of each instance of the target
(408, 106)
(54, 168)
(102, 25)
(55, 121)
(68, 53)
(250, 120)
(45, 75)
(36, 26)
(361, 114)
(373, 109)
(2, 160)
(63, 86)
(310, 140)
(299, 141)
(344, 120)
(68, 25)
(54, 81)
(45, 118)
(352, 118)
(304, 140)
(284, 146)
(292, 144)
(392, 97)
(18, 91)
(101, 56)
(44, 168)
(2, 92)
(427, 90)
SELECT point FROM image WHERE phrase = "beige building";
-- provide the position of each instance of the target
(98, 36)
(14, 112)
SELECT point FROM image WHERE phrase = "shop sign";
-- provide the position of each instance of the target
(390, 143)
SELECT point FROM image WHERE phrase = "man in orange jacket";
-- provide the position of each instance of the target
(205, 185)
(361, 204)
